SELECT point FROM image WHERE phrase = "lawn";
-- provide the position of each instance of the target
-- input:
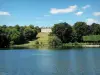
(43, 38)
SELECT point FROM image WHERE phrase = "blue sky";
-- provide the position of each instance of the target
(48, 12)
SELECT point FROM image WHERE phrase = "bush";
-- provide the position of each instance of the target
(54, 41)
(11, 42)
(51, 34)
(36, 42)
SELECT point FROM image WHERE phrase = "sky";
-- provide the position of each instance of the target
(48, 12)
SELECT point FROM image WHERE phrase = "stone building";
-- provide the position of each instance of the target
(46, 29)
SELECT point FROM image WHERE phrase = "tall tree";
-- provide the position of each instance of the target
(17, 27)
(81, 29)
(63, 31)
(29, 33)
(95, 29)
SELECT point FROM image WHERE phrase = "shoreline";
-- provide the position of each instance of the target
(90, 46)
(64, 46)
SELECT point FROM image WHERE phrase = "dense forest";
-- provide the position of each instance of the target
(61, 32)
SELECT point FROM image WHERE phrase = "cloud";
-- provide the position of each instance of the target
(46, 15)
(96, 13)
(66, 10)
(89, 21)
(4, 13)
(79, 13)
(86, 6)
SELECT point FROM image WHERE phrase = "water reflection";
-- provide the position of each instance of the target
(90, 62)
(49, 62)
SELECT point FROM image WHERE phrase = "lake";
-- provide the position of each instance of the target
(79, 61)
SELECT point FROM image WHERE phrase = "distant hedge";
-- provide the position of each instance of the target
(91, 38)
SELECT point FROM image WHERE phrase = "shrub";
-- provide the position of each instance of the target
(36, 42)
(50, 34)
(54, 41)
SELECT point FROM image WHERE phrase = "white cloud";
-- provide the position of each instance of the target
(46, 15)
(89, 21)
(96, 13)
(86, 6)
(79, 13)
(4, 13)
(66, 10)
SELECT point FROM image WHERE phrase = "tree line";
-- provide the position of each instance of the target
(61, 33)
(10, 35)
(67, 33)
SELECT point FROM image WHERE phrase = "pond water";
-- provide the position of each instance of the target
(82, 61)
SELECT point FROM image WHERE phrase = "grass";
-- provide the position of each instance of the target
(42, 38)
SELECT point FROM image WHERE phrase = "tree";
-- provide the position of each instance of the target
(74, 37)
(54, 41)
(31, 26)
(62, 31)
(30, 34)
(38, 29)
(14, 36)
(17, 27)
(95, 29)
(81, 29)
(4, 40)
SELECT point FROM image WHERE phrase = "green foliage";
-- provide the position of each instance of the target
(95, 29)
(10, 35)
(31, 26)
(54, 41)
(74, 37)
(37, 29)
(74, 33)
(17, 27)
(51, 34)
(30, 34)
(91, 38)
(76, 44)
(11, 42)
(81, 29)
(14, 35)
(63, 31)
(36, 42)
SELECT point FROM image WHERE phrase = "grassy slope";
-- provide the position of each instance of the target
(41, 37)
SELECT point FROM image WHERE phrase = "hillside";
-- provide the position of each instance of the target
(42, 38)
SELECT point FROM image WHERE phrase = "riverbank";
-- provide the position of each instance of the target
(90, 46)
(46, 46)
(42, 42)
(83, 45)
